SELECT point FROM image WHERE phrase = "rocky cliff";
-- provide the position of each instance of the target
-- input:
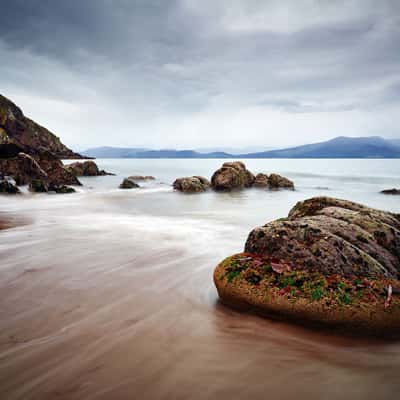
(20, 134)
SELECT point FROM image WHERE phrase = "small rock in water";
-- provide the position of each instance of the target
(391, 191)
(128, 183)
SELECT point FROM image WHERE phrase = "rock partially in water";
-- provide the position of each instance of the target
(128, 184)
(24, 168)
(142, 178)
(331, 261)
(192, 184)
(38, 186)
(273, 181)
(63, 189)
(231, 176)
(86, 168)
(391, 191)
(8, 187)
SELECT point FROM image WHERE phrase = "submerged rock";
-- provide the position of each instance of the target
(273, 181)
(141, 178)
(86, 168)
(391, 191)
(331, 261)
(232, 175)
(193, 184)
(128, 184)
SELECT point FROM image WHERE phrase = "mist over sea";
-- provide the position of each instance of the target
(108, 293)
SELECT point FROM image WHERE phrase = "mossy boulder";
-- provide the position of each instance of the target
(192, 184)
(331, 262)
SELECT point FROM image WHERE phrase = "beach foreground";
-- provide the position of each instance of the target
(106, 295)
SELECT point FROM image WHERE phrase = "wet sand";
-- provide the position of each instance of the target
(105, 306)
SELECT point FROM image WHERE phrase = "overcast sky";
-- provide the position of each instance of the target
(203, 73)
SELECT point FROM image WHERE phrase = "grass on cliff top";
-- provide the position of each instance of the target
(283, 280)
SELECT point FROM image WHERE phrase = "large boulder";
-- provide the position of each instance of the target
(331, 261)
(232, 175)
(86, 168)
(192, 184)
(273, 181)
(128, 184)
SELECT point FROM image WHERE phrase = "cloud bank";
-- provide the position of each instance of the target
(188, 73)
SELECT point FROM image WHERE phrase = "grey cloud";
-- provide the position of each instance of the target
(154, 63)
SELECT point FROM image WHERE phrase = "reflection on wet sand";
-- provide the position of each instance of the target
(100, 306)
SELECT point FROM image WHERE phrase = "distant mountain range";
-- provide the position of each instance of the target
(339, 147)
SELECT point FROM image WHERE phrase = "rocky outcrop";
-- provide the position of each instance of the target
(141, 178)
(331, 261)
(391, 191)
(8, 187)
(128, 184)
(30, 152)
(31, 138)
(273, 181)
(86, 168)
(192, 184)
(42, 186)
(232, 175)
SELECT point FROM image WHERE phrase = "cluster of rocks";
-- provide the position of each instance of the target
(30, 154)
(331, 262)
(232, 176)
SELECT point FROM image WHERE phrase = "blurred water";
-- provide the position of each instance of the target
(108, 293)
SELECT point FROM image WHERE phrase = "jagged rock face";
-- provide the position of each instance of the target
(333, 236)
(193, 184)
(128, 184)
(86, 168)
(24, 168)
(32, 138)
(232, 175)
(273, 181)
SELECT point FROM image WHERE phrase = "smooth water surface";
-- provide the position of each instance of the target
(108, 293)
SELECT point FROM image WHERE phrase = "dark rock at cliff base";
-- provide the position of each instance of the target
(24, 168)
(128, 184)
(273, 181)
(391, 191)
(86, 168)
(7, 187)
(232, 175)
(331, 261)
(38, 186)
(63, 189)
(192, 184)
(141, 178)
